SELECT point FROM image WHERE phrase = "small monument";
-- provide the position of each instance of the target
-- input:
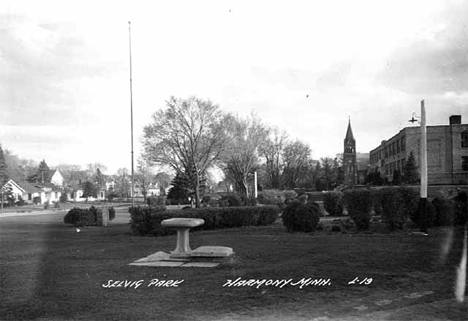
(183, 255)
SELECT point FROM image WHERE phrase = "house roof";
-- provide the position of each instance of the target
(25, 186)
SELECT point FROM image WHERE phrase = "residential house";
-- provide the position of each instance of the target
(29, 191)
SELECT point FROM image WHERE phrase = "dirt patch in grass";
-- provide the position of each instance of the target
(49, 271)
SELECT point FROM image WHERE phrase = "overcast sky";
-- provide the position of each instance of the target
(304, 66)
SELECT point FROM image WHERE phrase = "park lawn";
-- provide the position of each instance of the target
(49, 271)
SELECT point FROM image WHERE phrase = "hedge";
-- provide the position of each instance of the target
(359, 204)
(82, 217)
(333, 203)
(147, 220)
(86, 217)
(300, 217)
(398, 204)
(445, 211)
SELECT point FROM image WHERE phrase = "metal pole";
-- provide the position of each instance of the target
(131, 105)
(255, 184)
(423, 199)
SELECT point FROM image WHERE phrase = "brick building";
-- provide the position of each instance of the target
(447, 152)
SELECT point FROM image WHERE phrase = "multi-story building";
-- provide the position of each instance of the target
(447, 152)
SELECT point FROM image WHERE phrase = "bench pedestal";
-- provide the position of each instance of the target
(182, 225)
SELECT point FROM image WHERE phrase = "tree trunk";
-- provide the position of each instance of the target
(197, 188)
(245, 188)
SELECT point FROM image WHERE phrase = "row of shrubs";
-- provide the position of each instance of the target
(87, 216)
(147, 220)
(229, 200)
(395, 206)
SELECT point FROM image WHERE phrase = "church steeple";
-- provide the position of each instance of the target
(349, 158)
(349, 133)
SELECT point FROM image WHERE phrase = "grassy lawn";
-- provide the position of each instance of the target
(49, 271)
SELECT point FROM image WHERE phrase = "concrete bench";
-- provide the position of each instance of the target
(182, 225)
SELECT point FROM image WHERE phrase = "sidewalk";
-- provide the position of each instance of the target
(7, 213)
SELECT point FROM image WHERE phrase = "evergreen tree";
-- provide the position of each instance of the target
(89, 190)
(6, 191)
(396, 178)
(410, 170)
(181, 188)
(100, 180)
(41, 173)
(3, 168)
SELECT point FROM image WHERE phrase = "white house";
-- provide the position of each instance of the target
(28, 192)
(56, 177)
(76, 195)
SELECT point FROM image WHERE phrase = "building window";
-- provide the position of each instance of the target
(29, 196)
(464, 139)
(403, 144)
(398, 147)
(464, 163)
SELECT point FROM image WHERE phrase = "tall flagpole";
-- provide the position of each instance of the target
(131, 106)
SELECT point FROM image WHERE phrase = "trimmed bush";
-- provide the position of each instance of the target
(333, 203)
(37, 200)
(377, 197)
(289, 195)
(266, 199)
(359, 204)
(445, 211)
(231, 200)
(461, 209)
(111, 213)
(82, 217)
(251, 201)
(20, 202)
(156, 200)
(431, 215)
(147, 220)
(398, 204)
(300, 217)
(63, 198)
(276, 197)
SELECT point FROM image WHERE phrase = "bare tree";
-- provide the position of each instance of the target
(247, 134)
(272, 151)
(143, 176)
(122, 183)
(188, 135)
(92, 169)
(296, 156)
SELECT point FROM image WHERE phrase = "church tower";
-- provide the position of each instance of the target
(349, 158)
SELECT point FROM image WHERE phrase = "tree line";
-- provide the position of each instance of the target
(193, 135)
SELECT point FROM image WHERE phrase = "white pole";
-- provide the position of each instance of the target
(423, 199)
(255, 184)
(423, 152)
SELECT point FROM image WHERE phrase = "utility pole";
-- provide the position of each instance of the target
(423, 199)
(131, 106)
